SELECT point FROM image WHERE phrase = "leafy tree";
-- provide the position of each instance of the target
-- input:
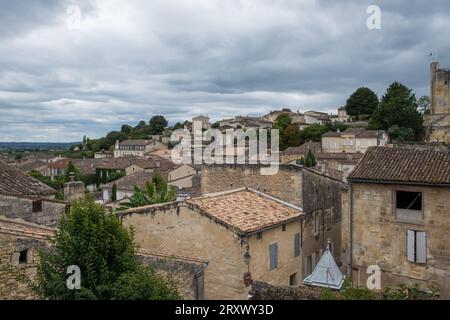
(400, 134)
(105, 252)
(155, 192)
(315, 131)
(215, 125)
(291, 136)
(398, 107)
(157, 124)
(361, 102)
(178, 125)
(72, 169)
(424, 104)
(126, 129)
(111, 138)
(114, 192)
(282, 121)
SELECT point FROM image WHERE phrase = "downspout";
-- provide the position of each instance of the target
(196, 279)
(350, 230)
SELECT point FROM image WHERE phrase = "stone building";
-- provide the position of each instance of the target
(437, 123)
(125, 185)
(352, 140)
(292, 154)
(200, 122)
(19, 245)
(396, 216)
(136, 147)
(242, 234)
(318, 194)
(14, 182)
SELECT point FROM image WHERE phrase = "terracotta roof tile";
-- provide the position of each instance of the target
(16, 183)
(246, 210)
(404, 165)
(303, 149)
(128, 182)
(24, 229)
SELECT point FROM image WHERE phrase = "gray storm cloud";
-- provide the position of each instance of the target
(129, 60)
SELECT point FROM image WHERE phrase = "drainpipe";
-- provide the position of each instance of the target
(196, 279)
(350, 230)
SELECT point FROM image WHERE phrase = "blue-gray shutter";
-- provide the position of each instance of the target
(411, 239)
(421, 247)
(297, 245)
(273, 252)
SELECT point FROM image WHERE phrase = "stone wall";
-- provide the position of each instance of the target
(22, 208)
(264, 291)
(179, 229)
(285, 185)
(187, 274)
(18, 257)
(379, 237)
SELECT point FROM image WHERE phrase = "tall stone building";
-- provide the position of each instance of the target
(437, 123)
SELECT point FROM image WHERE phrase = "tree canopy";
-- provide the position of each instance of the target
(361, 102)
(398, 106)
(105, 252)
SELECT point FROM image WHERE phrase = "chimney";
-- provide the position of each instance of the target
(73, 190)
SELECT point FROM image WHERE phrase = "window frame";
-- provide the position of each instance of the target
(395, 209)
(273, 256)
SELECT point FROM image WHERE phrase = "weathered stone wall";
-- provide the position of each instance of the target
(380, 238)
(180, 230)
(285, 185)
(13, 275)
(74, 190)
(187, 275)
(22, 208)
(265, 291)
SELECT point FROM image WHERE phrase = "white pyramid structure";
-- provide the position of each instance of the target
(326, 273)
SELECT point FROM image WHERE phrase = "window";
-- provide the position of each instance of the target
(297, 244)
(293, 279)
(408, 205)
(316, 223)
(283, 227)
(37, 205)
(259, 235)
(308, 267)
(273, 255)
(417, 246)
(23, 257)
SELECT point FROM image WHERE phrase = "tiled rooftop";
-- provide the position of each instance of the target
(24, 229)
(16, 183)
(405, 165)
(246, 210)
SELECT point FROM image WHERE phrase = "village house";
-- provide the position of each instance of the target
(396, 216)
(200, 123)
(295, 154)
(23, 197)
(242, 234)
(316, 117)
(241, 122)
(57, 167)
(353, 140)
(104, 154)
(125, 186)
(344, 162)
(34, 165)
(136, 147)
(296, 117)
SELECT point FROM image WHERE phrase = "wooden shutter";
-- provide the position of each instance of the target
(421, 247)
(411, 254)
(297, 245)
(273, 253)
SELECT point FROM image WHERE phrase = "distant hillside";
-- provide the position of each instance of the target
(35, 146)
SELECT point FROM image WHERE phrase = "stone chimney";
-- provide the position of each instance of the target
(73, 190)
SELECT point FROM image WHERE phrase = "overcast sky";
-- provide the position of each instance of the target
(65, 75)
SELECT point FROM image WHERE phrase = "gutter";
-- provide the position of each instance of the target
(350, 227)
(197, 277)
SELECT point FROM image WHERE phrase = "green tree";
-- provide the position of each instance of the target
(157, 124)
(310, 160)
(361, 102)
(398, 107)
(105, 252)
(281, 123)
(72, 169)
(423, 105)
(291, 136)
(155, 192)
(114, 192)
(126, 129)
(400, 134)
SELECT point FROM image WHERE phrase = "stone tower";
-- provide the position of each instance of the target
(437, 123)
